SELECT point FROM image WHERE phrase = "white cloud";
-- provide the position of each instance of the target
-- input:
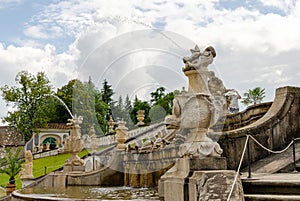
(284, 5)
(8, 3)
(15, 59)
(253, 48)
(35, 32)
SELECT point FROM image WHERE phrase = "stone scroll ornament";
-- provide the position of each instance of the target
(200, 107)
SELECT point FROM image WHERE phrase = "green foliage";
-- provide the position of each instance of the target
(12, 164)
(51, 163)
(158, 94)
(84, 100)
(157, 113)
(65, 93)
(121, 111)
(140, 105)
(164, 101)
(31, 108)
(107, 93)
(254, 96)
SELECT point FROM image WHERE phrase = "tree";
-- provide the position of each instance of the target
(12, 165)
(107, 93)
(254, 96)
(140, 105)
(158, 94)
(85, 100)
(127, 109)
(164, 101)
(118, 110)
(65, 93)
(30, 107)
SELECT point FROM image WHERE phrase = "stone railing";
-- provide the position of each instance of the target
(244, 118)
(274, 130)
(111, 139)
(47, 153)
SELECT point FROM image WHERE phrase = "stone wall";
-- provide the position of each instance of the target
(244, 118)
(145, 169)
(274, 130)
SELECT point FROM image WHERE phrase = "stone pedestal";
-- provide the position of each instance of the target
(170, 185)
(199, 179)
(214, 185)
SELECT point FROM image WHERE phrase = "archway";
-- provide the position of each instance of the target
(51, 141)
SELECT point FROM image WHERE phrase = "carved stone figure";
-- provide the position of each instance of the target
(26, 172)
(74, 145)
(198, 109)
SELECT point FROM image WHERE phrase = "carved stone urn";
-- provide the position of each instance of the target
(140, 117)
(111, 124)
(121, 133)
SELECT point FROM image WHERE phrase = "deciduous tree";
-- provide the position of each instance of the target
(30, 107)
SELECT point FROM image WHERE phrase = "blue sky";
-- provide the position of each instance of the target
(257, 42)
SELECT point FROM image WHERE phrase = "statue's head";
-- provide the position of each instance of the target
(207, 56)
(195, 55)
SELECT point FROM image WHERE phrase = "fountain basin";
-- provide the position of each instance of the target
(88, 193)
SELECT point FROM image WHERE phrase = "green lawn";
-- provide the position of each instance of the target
(51, 163)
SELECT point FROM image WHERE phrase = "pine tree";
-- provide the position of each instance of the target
(107, 93)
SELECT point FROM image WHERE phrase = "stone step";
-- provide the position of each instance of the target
(271, 187)
(269, 197)
(275, 184)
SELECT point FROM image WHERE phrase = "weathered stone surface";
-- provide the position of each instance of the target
(121, 133)
(170, 185)
(214, 185)
(278, 125)
(208, 163)
(26, 172)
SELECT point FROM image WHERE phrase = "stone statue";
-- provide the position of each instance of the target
(26, 172)
(73, 145)
(199, 107)
(195, 112)
(47, 146)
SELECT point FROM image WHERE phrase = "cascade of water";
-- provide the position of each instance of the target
(62, 102)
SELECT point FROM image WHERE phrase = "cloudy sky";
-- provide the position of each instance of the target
(138, 45)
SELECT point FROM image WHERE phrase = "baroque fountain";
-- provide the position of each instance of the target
(199, 167)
